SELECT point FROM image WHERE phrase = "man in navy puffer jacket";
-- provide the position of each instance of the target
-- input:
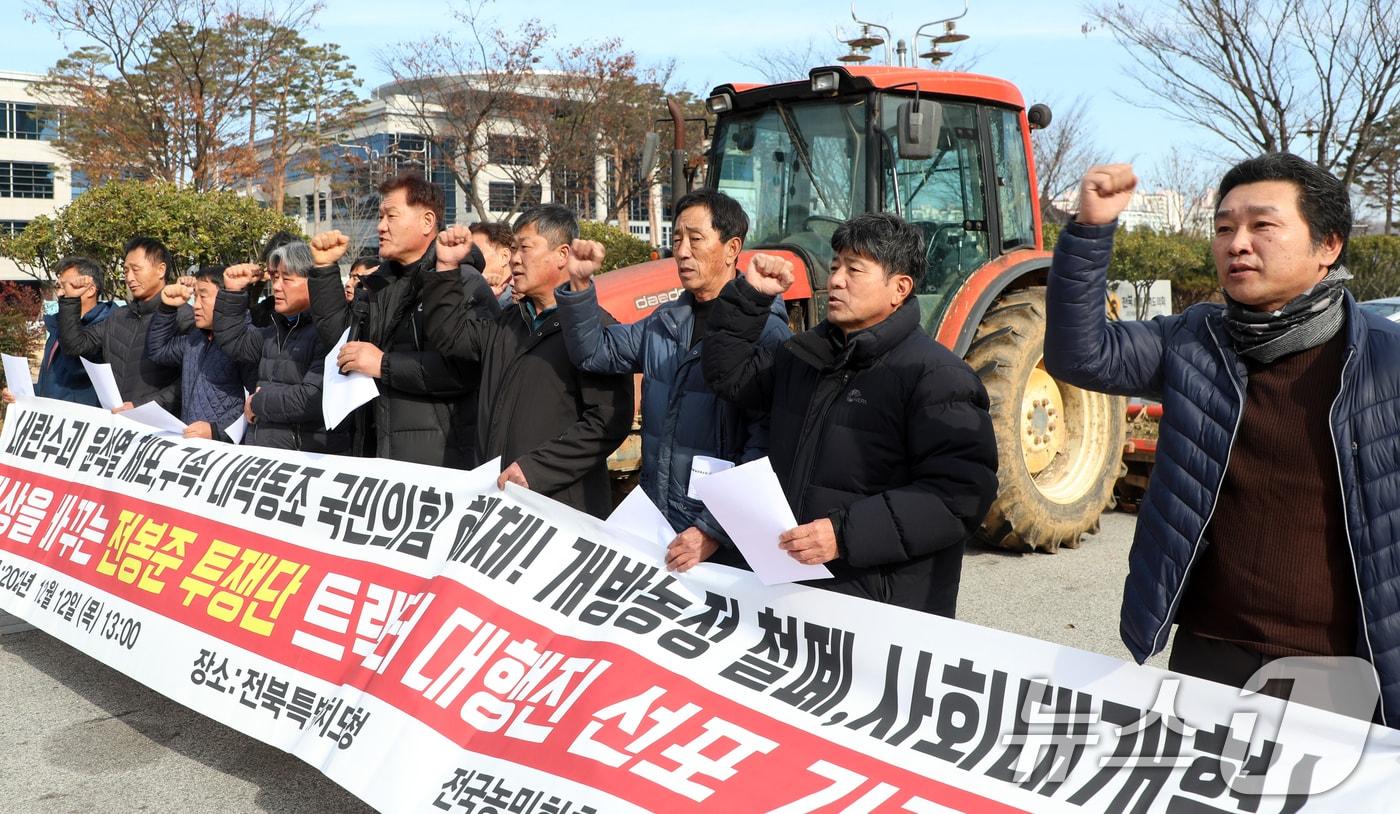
(681, 416)
(1267, 530)
(212, 385)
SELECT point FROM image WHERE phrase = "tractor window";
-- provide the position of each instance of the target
(1013, 181)
(798, 170)
(943, 196)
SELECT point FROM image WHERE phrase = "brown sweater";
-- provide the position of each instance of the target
(1276, 576)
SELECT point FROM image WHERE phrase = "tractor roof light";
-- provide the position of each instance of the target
(720, 103)
(825, 82)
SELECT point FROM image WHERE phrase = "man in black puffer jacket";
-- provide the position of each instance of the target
(120, 340)
(421, 414)
(552, 425)
(879, 435)
(284, 410)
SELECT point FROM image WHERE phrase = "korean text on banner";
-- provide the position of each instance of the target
(435, 644)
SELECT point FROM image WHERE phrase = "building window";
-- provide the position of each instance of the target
(513, 151)
(502, 197)
(637, 205)
(442, 177)
(22, 120)
(79, 184)
(22, 179)
(9, 228)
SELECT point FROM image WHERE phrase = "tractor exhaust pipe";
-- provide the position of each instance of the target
(678, 184)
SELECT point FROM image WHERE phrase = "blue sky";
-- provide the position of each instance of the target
(1038, 45)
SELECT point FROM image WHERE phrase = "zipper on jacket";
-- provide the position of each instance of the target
(665, 453)
(809, 427)
(1346, 524)
(1215, 501)
(283, 339)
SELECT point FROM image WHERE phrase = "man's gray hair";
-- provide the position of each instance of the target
(557, 224)
(291, 258)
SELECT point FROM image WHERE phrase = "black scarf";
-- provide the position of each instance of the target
(1308, 320)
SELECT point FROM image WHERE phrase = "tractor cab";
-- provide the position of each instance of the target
(949, 153)
(802, 157)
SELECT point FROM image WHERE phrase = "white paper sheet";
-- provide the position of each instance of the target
(17, 377)
(638, 516)
(100, 374)
(154, 416)
(236, 430)
(748, 502)
(701, 467)
(341, 393)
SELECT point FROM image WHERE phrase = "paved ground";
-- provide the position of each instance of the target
(76, 736)
(1070, 598)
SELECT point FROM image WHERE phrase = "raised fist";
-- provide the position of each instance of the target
(240, 276)
(454, 245)
(585, 259)
(79, 285)
(1104, 192)
(328, 247)
(769, 274)
(178, 293)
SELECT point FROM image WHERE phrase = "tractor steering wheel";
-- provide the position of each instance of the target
(938, 253)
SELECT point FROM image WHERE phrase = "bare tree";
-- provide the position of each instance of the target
(1063, 151)
(461, 89)
(1379, 177)
(1314, 76)
(795, 61)
(504, 105)
(161, 88)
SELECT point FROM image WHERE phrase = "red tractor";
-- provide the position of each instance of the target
(950, 153)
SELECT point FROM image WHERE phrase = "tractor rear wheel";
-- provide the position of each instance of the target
(1060, 448)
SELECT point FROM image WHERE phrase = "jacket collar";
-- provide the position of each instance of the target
(304, 318)
(1354, 327)
(99, 312)
(678, 314)
(828, 347)
(391, 270)
(143, 308)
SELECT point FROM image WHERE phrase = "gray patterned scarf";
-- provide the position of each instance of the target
(1308, 320)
